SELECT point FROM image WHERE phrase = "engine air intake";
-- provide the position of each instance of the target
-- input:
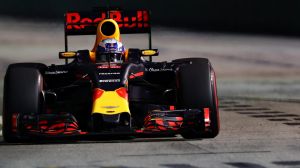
(108, 28)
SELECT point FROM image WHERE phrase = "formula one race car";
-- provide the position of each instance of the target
(109, 90)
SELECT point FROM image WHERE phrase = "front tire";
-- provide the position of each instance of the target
(23, 85)
(197, 90)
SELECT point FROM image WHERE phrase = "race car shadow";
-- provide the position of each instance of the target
(108, 139)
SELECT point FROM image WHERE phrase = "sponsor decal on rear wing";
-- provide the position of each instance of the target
(85, 23)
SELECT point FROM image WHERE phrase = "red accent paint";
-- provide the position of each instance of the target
(172, 124)
(159, 122)
(83, 133)
(179, 118)
(73, 18)
(43, 122)
(151, 127)
(139, 131)
(122, 92)
(73, 125)
(162, 128)
(146, 19)
(14, 121)
(206, 117)
(97, 93)
(71, 129)
(136, 75)
(59, 127)
(55, 132)
(44, 127)
(77, 21)
(172, 108)
(132, 25)
(140, 18)
(116, 15)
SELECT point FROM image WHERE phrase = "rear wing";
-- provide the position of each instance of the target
(85, 23)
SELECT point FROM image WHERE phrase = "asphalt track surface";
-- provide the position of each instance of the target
(259, 90)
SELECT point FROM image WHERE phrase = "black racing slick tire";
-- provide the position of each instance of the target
(197, 90)
(23, 85)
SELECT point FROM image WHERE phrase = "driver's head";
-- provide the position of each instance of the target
(110, 50)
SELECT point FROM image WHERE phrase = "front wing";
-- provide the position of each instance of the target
(157, 122)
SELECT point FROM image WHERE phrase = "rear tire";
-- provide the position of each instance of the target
(197, 90)
(23, 85)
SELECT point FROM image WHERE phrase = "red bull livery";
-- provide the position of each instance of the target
(110, 89)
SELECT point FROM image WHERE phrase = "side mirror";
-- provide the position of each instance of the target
(149, 52)
(69, 54)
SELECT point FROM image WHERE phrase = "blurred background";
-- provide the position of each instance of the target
(251, 16)
(254, 45)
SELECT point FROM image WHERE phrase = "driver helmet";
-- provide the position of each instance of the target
(110, 50)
